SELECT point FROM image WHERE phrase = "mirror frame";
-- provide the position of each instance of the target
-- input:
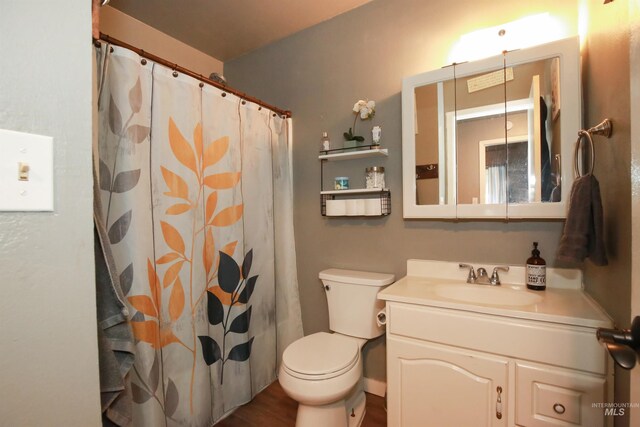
(568, 50)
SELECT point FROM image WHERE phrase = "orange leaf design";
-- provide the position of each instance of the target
(230, 248)
(215, 151)
(224, 297)
(212, 203)
(178, 209)
(222, 181)
(172, 273)
(176, 301)
(208, 251)
(172, 237)
(167, 337)
(171, 256)
(154, 284)
(177, 186)
(143, 304)
(147, 331)
(197, 140)
(181, 148)
(228, 216)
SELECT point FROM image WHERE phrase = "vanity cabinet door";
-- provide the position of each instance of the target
(547, 396)
(435, 385)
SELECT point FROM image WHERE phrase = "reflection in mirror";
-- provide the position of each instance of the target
(434, 159)
(538, 82)
(478, 126)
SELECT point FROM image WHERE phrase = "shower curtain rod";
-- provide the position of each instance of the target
(108, 39)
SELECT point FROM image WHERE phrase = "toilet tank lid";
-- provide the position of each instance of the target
(357, 277)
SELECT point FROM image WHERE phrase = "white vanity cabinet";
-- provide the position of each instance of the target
(458, 363)
(437, 385)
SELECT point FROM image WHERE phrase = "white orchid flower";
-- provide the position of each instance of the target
(358, 106)
(366, 110)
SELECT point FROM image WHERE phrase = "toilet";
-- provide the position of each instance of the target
(323, 371)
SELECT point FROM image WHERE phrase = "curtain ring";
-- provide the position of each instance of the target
(576, 168)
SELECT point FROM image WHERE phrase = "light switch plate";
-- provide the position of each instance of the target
(35, 193)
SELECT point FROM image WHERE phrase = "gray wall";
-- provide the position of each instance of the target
(319, 74)
(49, 361)
(607, 94)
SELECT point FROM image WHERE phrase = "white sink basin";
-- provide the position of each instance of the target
(489, 295)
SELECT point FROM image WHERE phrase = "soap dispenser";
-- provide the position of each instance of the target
(536, 270)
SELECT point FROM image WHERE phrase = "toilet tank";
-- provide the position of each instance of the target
(353, 302)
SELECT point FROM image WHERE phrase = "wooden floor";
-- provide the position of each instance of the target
(273, 408)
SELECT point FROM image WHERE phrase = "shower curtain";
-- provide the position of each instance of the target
(196, 200)
(496, 184)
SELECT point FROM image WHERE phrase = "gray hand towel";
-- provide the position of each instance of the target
(583, 230)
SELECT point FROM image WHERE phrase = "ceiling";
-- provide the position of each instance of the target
(227, 29)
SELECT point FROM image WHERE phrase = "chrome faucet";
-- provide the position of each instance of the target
(471, 278)
(495, 279)
(481, 277)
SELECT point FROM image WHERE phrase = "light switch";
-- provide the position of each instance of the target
(26, 172)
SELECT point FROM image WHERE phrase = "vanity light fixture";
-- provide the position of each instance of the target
(507, 37)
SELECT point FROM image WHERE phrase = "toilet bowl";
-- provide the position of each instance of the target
(323, 371)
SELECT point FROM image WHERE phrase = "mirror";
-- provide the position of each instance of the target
(477, 147)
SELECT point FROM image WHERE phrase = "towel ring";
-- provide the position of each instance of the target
(604, 128)
(576, 168)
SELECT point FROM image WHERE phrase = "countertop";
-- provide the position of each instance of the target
(560, 304)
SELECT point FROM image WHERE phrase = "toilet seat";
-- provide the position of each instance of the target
(320, 356)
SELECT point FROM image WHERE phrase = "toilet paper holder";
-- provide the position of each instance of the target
(381, 317)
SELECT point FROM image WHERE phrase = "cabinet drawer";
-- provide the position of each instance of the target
(553, 397)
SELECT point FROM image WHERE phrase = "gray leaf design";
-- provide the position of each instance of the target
(138, 317)
(210, 350)
(241, 352)
(139, 394)
(135, 97)
(119, 229)
(137, 133)
(171, 399)
(240, 324)
(125, 181)
(105, 176)
(154, 374)
(115, 118)
(126, 279)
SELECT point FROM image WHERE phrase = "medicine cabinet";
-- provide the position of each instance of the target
(492, 138)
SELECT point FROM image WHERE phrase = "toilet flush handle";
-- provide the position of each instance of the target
(326, 287)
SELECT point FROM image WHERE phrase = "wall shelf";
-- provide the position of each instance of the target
(353, 191)
(354, 154)
(363, 202)
(373, 202)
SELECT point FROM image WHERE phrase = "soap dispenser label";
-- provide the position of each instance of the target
(536, 275)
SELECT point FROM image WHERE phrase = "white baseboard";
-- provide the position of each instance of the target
(376, 387)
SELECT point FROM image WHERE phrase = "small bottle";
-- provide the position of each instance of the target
(536, 270)
(325, 143)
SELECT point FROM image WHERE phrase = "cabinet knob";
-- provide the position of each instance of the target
(559, 408)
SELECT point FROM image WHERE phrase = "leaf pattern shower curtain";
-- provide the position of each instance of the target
(195, 188)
